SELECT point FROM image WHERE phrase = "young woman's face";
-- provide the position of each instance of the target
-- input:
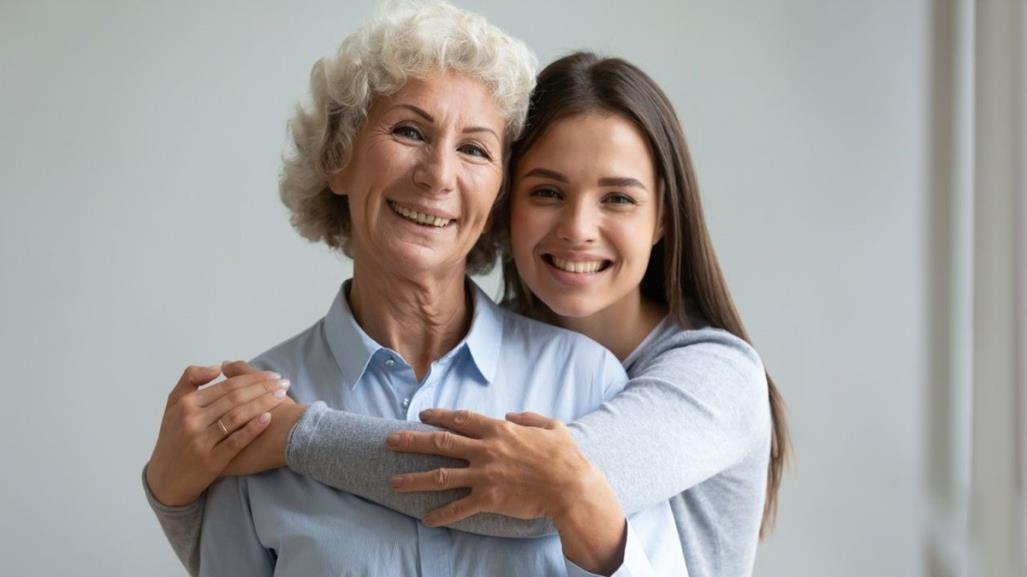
(585, 214)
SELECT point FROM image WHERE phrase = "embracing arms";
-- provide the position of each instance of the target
(691, 411)
(687, 415)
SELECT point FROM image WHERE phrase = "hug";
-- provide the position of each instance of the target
(607, 417)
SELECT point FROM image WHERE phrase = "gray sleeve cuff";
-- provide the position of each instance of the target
(305, 429)
(166, 510)
(181, 526)
(347, 451)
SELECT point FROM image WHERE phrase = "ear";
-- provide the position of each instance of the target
(337, 182)
(658, 234)
(661, 209)
(339, 179)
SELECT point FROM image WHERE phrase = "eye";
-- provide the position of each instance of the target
(546, 194)
(408, 132)
(619, 198)
(475, 150)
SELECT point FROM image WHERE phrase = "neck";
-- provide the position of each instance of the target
(421, 320)
(622, 326)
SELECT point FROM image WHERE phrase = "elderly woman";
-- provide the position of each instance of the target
(399, 162)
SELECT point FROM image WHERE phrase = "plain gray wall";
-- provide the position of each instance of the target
(141, 232)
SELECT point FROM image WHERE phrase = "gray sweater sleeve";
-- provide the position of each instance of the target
(324, 443)
(181, 525)
(698, 397)
(696, 406)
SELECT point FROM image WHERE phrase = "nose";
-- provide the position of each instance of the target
(579, 223)
(436, 171)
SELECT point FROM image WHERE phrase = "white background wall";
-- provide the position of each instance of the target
(141, 232)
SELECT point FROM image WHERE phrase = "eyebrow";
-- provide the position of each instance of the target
(424, 114)
(473, 129)
(546, 173)
(416, 110)
(621, 181)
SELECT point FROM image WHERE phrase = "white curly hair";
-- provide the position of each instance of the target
(407, 39)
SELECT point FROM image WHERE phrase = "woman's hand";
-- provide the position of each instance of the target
(267, 451)
(203, 430)
(525, 467)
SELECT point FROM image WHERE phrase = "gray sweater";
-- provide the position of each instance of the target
(692, 425)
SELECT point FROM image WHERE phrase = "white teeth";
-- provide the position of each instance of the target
(577, 266)
(420, 217)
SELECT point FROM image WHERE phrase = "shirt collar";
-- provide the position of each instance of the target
(350, 345)
(486, 335)
(353, 349)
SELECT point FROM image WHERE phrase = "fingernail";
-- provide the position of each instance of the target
(392, 439)
(264, 419)
(395, 482)
(279, 393)
(426, 414)
(275, 375)
(284, 383)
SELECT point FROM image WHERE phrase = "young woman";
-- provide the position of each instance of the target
(606, 237)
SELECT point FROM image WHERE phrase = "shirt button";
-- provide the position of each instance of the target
(389, 362)
(406, 403)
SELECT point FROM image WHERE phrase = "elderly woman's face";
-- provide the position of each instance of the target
(425, 170)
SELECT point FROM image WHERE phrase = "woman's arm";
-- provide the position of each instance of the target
(562, 485)
(347, 451)
(698, 407)
(689, 414)
(181, 526)
(694, 410)
(201, 432)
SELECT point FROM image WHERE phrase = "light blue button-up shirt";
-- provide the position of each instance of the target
(285, 524)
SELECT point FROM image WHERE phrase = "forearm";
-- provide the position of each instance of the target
(592, 528)
(633, 559)
(619, 439)
(347, 451)
(656, 439)
(181, 526)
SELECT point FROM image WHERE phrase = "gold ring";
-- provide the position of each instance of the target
(224, 429)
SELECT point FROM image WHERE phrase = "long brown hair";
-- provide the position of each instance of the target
(683, 272)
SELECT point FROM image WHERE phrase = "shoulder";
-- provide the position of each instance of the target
(286, 357)
(568, 351)
(704, 349)
(707, 363)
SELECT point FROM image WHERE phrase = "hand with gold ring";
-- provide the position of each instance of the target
(204, 429)
(267, 451)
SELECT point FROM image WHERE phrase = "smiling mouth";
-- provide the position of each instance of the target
(579, 267)
(421, 218)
